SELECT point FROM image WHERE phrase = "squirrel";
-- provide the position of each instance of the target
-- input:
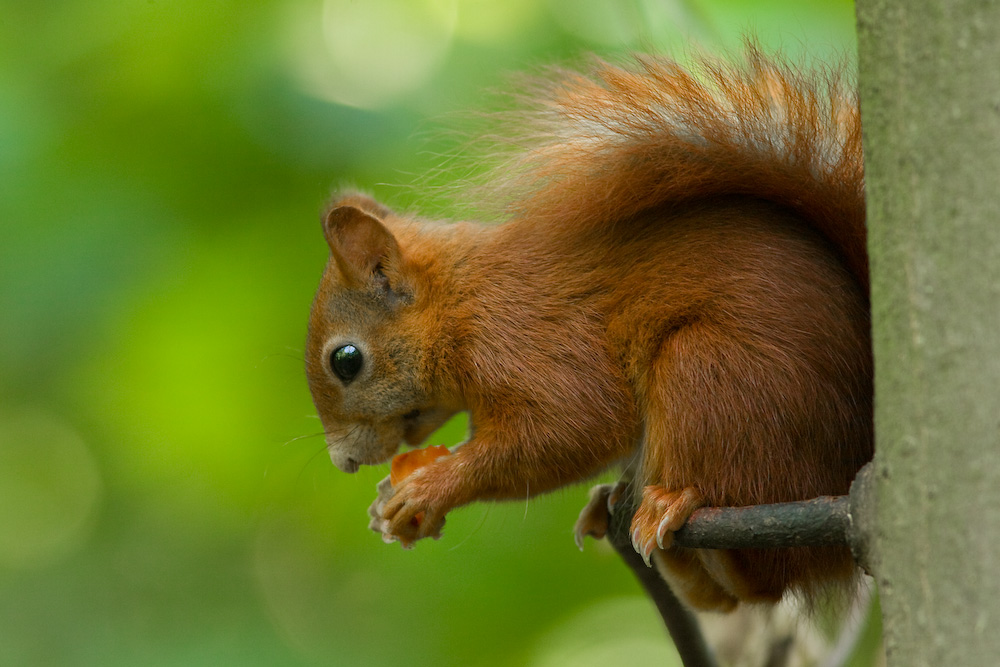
(679, 288)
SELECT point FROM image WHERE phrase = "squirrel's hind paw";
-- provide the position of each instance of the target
(660, 513)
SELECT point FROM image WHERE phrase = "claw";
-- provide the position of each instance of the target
(647, 552)
(663, 530)
(644, 549)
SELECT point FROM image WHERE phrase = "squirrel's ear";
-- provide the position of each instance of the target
(361, 244)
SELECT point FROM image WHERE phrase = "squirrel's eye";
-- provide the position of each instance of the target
(346, 362)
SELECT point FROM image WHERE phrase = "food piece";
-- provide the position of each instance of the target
(404, 464)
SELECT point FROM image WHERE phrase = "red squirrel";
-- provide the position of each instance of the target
(680, 288)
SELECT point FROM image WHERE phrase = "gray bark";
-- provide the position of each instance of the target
(930, 97)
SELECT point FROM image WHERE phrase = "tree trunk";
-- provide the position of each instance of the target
(930, 97)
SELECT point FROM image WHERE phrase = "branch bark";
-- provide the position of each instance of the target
(810, 523)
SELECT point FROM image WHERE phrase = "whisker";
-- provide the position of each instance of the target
(321, 450)
(307, 463)
(303, 437)
(476, 528)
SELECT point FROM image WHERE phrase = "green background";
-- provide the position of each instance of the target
(164, 496)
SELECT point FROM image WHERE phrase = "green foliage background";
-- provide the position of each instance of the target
(162, 167)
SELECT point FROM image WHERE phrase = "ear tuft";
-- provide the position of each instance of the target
(360, 243)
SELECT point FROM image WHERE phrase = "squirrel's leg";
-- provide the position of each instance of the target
(683, 389)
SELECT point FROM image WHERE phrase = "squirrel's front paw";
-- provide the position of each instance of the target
(412, 510)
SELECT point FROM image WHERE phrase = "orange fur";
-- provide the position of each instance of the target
(682, 283)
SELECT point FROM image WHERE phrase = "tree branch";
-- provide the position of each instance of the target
(818, 522)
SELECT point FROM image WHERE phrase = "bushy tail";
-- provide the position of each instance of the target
(617, 141)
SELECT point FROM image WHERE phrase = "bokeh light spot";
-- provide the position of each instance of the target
(371, 53)
(49, 489)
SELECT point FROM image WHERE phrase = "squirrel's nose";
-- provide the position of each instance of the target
(344, 463)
